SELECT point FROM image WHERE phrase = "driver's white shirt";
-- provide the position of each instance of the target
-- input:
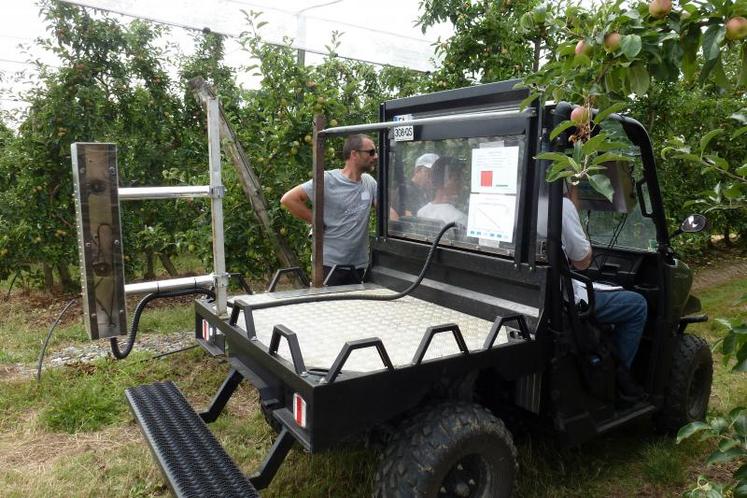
(442, 212)
(575, 244)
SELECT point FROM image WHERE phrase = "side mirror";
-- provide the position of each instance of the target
(692, 224)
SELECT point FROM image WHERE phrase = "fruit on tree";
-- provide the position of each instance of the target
(612, 41)
(583, 48)
(736, 28)
(659, 8)
(580, 115)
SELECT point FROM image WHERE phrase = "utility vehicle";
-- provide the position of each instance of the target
(455, 328)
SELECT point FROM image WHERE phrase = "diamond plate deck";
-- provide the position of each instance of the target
(324, 327)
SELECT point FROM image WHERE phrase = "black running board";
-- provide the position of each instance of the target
(639, 410)
(193, 461)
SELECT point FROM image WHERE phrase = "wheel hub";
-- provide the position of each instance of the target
(463, 478)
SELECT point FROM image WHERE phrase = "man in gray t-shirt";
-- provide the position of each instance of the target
(348, 195)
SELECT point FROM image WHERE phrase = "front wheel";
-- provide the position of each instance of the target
(454, 449)
(689, 384)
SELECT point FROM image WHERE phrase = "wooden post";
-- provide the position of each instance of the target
(317, 226)
(249, 180)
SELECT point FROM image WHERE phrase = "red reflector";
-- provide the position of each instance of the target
(205, 330)
(299, 410)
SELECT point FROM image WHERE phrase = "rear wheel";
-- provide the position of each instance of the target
(454, 449)
(689, 384)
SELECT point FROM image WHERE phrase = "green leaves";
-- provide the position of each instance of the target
(586, 159)
(564, 125)
(631, 46)
(690, 429)
(639, 79)
(706, 139)
(730, 432)
(602, 115)
(712, 40)
(734, 344)
(603, 185)
(528, 100)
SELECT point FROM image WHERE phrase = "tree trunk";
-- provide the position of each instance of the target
(249, 180)
(727, 240)
(48, 277)
(149, 273)
(65, 278)
(168, 264)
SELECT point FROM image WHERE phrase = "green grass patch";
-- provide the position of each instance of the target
(89, 397)
(77, 420)
(23, 332)
(87, 407)
(662, 464)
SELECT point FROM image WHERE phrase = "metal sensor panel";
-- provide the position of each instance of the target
(99, 238)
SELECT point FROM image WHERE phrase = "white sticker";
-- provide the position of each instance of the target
(491, 216)
(404, 133)
(365, 196)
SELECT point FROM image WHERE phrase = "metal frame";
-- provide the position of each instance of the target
(318, 163)
(215, 191)
(371, 398)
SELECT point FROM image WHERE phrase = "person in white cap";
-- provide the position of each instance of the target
(419, 188)
(448, 180)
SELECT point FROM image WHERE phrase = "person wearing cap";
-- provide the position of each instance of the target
(418, 190)
(448, 180)
(349, 194)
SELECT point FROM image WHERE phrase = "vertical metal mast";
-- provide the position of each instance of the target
(217, 191)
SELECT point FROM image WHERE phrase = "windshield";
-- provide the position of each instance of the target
(621, 223)
(470, 181)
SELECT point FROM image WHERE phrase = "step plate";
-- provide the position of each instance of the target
(193, 461)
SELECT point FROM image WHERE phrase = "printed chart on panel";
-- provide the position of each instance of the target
(492, 202)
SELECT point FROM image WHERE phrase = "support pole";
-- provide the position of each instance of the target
(220, 399)
(216, 194)
(269, 467)
(248, 178)
(317, 250)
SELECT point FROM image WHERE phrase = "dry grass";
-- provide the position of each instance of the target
(115, 461)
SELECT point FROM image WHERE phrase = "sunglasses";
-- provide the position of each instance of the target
(371, 152)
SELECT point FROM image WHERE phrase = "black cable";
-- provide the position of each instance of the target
(351, 297)
(49, 335)
(10, 288)
(174, 351)
(132, 334)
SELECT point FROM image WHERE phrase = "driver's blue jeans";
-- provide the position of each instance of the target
(627, 311)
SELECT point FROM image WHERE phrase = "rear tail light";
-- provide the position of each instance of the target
(299, 410)
(207, 333)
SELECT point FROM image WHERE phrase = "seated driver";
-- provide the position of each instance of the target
(447, 179)
(626, 310)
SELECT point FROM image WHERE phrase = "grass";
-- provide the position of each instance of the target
(72, 435)
(26, 322)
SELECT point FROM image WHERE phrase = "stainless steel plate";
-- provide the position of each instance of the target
(324, 327)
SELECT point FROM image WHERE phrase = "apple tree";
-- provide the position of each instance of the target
(486, 45)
